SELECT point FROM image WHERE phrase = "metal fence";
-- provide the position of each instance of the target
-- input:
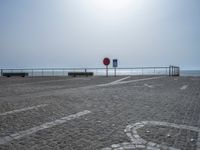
(169, 71)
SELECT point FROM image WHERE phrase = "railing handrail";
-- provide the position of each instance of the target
(82, 68)
(170, 70)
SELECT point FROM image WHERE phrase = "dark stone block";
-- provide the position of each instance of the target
(74, 74)
(15, 74)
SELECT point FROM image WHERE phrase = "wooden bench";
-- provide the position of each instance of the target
(74, 74)
(15, 74)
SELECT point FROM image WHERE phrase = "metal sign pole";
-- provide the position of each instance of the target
(106, 62)
(106, 70)
(115, 64)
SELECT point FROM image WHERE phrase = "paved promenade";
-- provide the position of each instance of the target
(100, 113)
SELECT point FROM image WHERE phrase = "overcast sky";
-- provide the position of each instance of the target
(80, 33)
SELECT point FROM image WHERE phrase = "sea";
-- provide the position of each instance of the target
(190, 72)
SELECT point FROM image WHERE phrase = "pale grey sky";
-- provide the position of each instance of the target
(80, 33)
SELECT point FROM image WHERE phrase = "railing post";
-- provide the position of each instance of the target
(169, 70)
(142, 71)
(86, 72)
(1, 72)
(174, 71)
(32, 72)
(96, 71)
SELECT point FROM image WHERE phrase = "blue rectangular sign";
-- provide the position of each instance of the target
(115, 64)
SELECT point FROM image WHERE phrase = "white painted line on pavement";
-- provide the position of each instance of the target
(6, 139)
(113, 83)
(120, 79)
(23, 109)
(198, 142)
(138, 142)
(144, 79)
(147, 85)
(129, 81)
(184, 87)
(152, 86)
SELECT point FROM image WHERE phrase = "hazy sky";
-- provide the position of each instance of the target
(80, 33)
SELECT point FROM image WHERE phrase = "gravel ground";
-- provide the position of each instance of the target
(41, 113)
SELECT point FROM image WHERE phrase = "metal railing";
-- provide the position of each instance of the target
(171, 71)
(174, 71)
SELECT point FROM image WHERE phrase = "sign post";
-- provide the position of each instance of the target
(106, 62)
(115, 64)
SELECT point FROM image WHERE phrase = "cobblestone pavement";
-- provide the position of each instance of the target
(99, 113)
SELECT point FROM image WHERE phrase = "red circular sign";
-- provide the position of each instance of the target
(106, 61)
